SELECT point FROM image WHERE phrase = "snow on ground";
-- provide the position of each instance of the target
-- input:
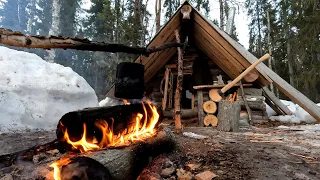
(34, 94)
(109, 102)
(299, 114)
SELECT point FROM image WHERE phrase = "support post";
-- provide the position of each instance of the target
(177, 96)
(200, 108)
(165, 93)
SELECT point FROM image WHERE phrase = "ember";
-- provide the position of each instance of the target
(144, 127)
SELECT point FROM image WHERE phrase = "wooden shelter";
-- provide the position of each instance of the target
(211, 59)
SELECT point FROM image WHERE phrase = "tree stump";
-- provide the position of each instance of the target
(228, 116)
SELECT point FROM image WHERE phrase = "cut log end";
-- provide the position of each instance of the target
(210, 107)
(214, 95)
(211, 120)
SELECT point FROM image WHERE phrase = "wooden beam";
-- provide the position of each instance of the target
(276, 101)
(17, 39)
(177, 96)
(200, 108)
(227, 42)
(165, 93)
(268, 74)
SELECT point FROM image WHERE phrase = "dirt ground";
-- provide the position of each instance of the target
(283, 152)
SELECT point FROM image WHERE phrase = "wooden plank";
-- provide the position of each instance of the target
(212, 51)
(205, 47)
(165, 93)
(276, 101)
(200, 108)
(274, 107)
(217, 86)
(217, 48)
(228, 43)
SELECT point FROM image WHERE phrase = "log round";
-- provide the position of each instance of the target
(214, 95)
(209, 107)
(211, 120)
(119, 117)
(251, 76)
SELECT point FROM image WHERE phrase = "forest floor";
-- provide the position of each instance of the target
(283, 152)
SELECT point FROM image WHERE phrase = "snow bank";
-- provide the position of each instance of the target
(34, 94)
(109, 102)
(299, 114)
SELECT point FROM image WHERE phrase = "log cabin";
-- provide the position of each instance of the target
(210, 60)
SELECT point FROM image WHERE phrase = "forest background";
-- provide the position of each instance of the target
(288, 29)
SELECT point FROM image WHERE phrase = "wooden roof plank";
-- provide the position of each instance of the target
(215, 47)
(283, 85)
(226, 42)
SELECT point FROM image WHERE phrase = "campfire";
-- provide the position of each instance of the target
(103, 135)
(113, 142)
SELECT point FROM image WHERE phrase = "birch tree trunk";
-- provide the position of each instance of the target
(32, 8)
(54, 30)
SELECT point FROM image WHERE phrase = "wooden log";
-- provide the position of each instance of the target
(251, 91)
(254, 102)
(251, 76)
(211, 120)
(165, 93)
(214, 96)
(128, 162)
(200, 108)
(177, 98)
(276, 101)
(17, 39)
(185, 113)
(209, 107)
(118, 117)
(228, 116)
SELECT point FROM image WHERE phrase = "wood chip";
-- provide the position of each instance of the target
(192, 167)
(206, 175)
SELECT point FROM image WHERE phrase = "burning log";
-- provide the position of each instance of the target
(122, 163)
(102, 127)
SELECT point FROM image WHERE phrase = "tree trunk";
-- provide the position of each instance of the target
(177, 98)
(32, 8)
(54, 30)
(228, 116)
(221, 14)
(158, 15)
(270, 47)
(290, 64)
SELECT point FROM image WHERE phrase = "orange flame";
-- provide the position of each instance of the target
(142, 129)
(56, 167)
(126, 102)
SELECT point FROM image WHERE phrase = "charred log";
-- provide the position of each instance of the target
(118, 117)
(128, 162)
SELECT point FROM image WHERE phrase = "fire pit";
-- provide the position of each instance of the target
(107, 142)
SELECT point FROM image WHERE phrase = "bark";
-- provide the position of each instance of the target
(128, 162)
(158, 15)
(270, 47)
(177, 98)
(290, 64)
(221, 14)
(119, 118)
(228, 116)
(18, 39)
(54, 30)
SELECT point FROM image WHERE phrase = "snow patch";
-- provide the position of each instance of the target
(194, 135)
(34, 94)
(109, 102)
(299, 114)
